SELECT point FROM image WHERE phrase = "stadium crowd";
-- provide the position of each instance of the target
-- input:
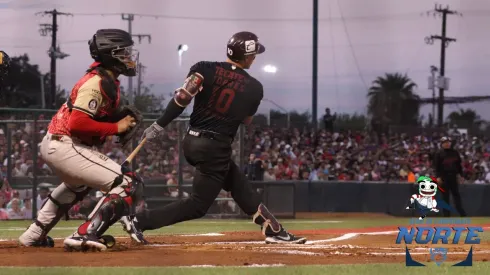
(271, 154)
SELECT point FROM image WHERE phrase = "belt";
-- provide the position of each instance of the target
(209, 135)
(60, 139)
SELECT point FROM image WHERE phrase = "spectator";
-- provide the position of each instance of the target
(269, 174)
(18, 171)
(42, 196)
(254, 169)
(172, 183)
(27, 209)
(15, 195)
(15, 213)
(328, 120)
(3, 211)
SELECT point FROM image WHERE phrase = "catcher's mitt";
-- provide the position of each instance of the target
(128, 110)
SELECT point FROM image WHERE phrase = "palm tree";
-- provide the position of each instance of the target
(464, 119)
(392, 100)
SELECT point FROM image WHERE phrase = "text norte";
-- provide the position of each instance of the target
(425, 234)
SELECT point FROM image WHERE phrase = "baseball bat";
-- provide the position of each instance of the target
(125, 165)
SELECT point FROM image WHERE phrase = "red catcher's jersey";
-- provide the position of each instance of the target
(86, 96)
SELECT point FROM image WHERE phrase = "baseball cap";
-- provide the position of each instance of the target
(444, 139)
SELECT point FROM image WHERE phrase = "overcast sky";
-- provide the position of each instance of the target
(358, 41)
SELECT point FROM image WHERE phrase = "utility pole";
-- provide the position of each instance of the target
(314, 81)
(130, 17)
(443, 82)
(54, 52)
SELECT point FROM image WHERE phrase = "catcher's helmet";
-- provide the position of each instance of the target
(4, 64)
(113, 48)
(242, 44)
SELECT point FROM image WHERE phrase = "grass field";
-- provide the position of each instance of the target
(12, 229)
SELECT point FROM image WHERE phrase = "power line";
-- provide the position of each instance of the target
(400, 16)
(352, 48)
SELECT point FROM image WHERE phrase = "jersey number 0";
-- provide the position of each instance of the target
(224, 100)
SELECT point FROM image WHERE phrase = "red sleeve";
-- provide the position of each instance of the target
(82, 124)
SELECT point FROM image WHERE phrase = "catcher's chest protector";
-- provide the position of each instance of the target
(109, 88)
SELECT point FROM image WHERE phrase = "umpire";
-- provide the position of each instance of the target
(449, 172)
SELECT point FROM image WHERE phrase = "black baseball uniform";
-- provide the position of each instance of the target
(447, 164)
(225, 96)
(229, 95)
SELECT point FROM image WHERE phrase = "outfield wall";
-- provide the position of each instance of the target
(288, 197)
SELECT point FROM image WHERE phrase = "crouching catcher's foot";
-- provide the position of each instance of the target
(84, 243)
(43, 242)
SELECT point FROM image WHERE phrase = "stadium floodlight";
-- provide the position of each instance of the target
(270, 69)
(181, 49)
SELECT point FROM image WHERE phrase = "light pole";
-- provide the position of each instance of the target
(181, 49)
(281, 108)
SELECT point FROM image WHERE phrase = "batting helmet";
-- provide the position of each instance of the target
(4, 64)
(113, 48)
(242, 44)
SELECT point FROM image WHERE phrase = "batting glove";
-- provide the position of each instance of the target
(151, 132)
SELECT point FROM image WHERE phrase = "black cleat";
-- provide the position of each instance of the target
(284, 237)
(130, 226)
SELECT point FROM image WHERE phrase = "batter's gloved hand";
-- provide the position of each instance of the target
(151, 132)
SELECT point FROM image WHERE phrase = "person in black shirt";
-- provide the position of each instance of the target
(449, 172)
(225, 97)
(255, 168)
(328, 120)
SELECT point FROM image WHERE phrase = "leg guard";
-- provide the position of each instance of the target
(110, 209)
(269, 224)
(55, 207)
(120, 202)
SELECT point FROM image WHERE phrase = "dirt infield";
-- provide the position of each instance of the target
(374, 245)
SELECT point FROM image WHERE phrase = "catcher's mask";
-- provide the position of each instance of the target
(114, 49)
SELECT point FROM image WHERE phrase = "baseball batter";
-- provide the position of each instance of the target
(81, 124)
(226, 96)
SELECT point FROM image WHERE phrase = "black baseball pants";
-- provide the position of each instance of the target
(214, 171)
(451, 186)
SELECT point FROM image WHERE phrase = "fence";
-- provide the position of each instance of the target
(162, 161)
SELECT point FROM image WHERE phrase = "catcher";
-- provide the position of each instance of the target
(91, 113)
